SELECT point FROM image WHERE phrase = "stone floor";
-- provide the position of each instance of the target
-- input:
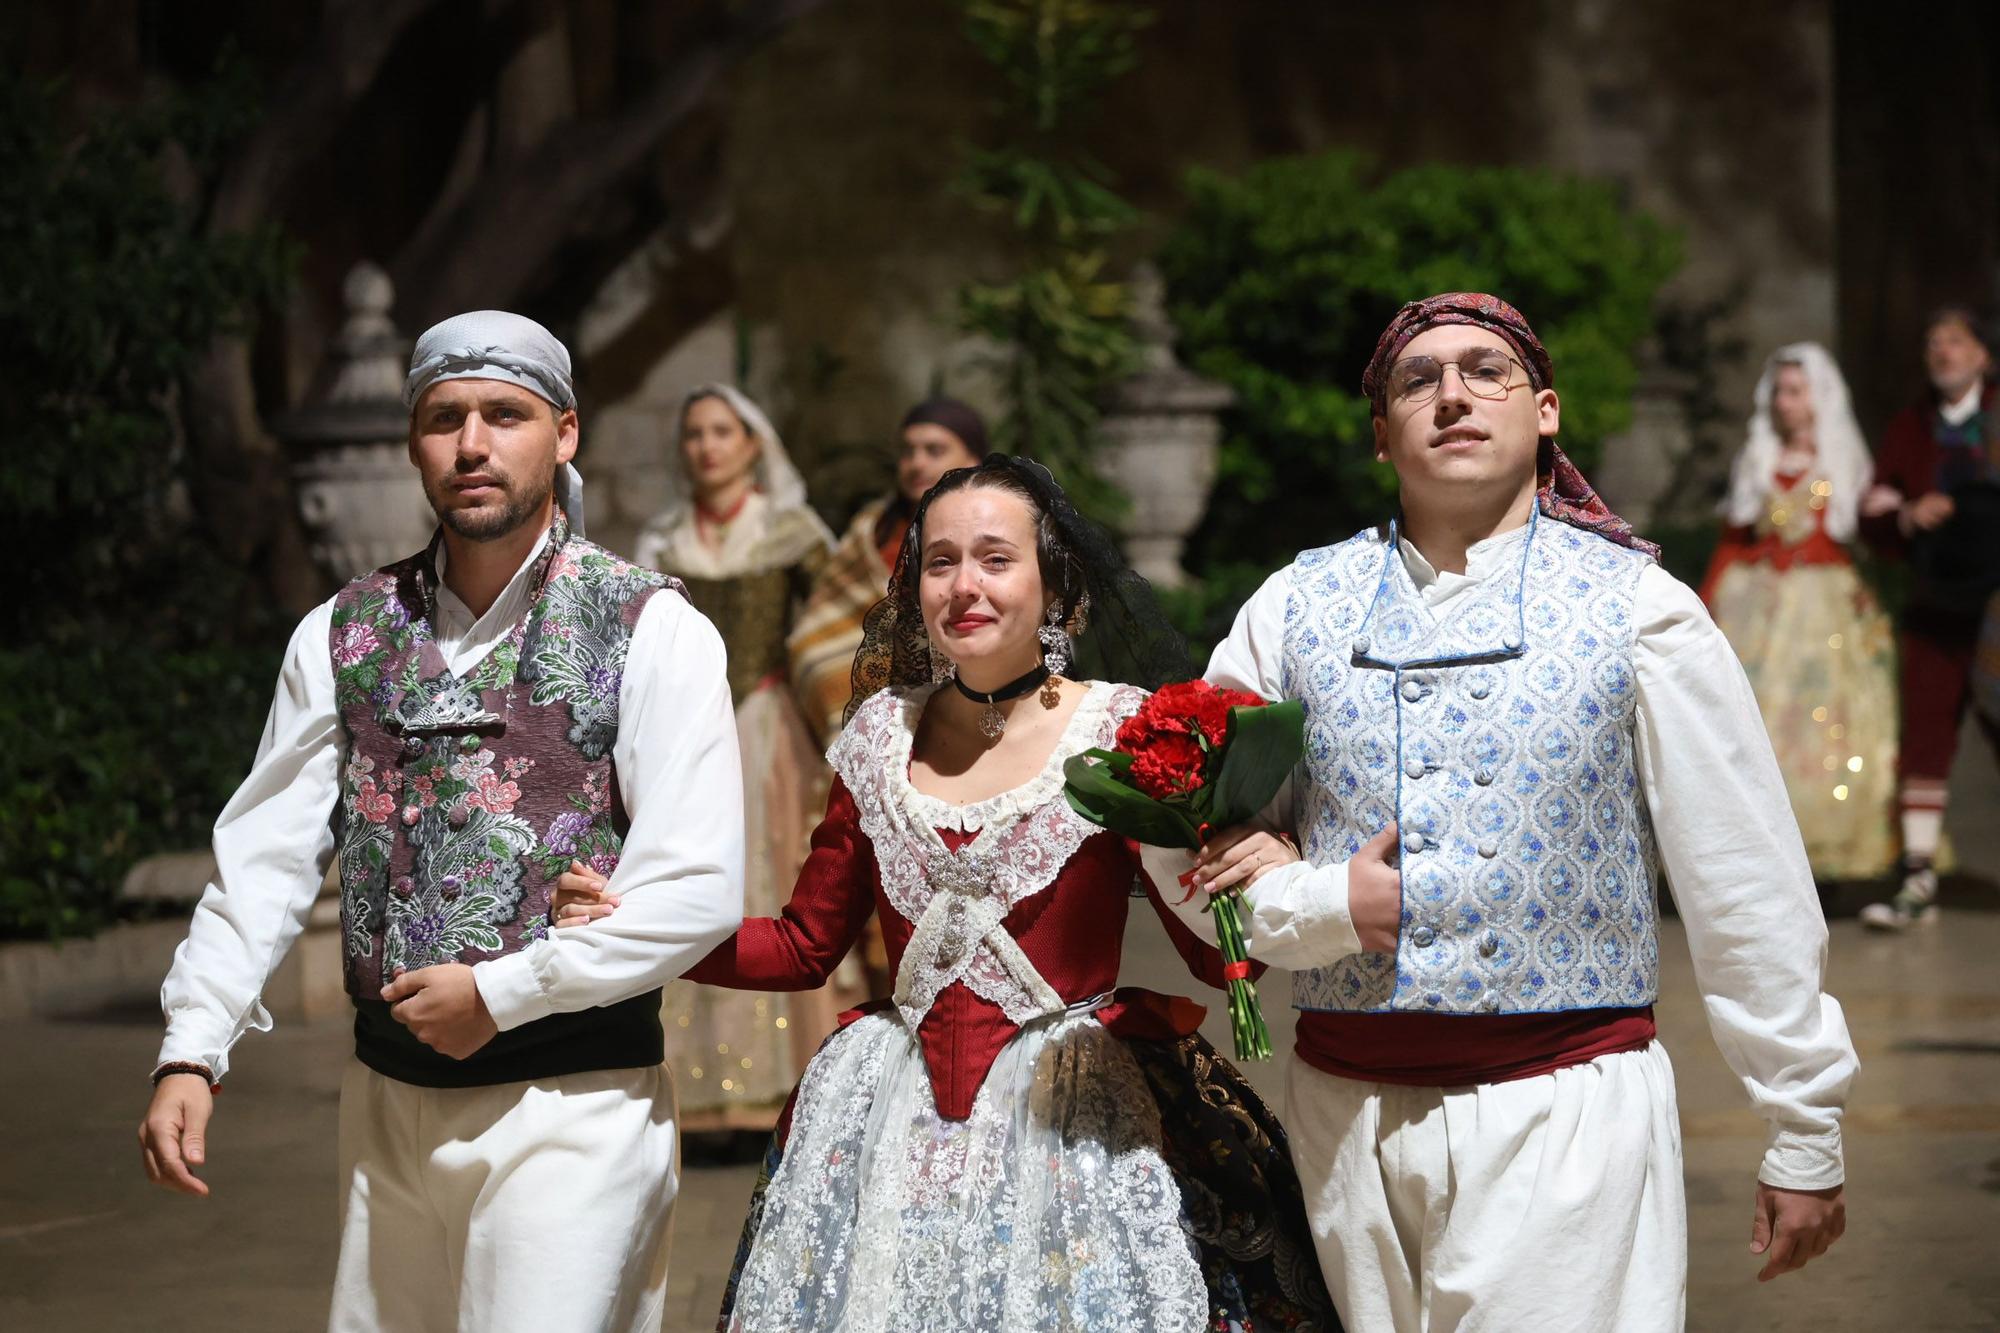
(87, 1244)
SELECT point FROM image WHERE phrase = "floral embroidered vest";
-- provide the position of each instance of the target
(1499, 736)
(464, 799)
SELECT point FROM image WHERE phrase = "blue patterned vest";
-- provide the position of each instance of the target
(464, 799)
(1500, 740)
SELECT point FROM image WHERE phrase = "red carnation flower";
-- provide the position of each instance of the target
(1168, 766)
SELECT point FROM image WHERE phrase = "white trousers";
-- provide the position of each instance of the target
(537, 1206)
(1553, 1203)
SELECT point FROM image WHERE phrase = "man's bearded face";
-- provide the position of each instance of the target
(487, 451)
(1954, 358)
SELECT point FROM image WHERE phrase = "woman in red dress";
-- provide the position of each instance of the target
(1011, 1142)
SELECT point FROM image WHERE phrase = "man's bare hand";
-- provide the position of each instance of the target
(1375, 893)
(580, 897)
(1236, 857)
(443, 1007)
(173, 1138)
(1925, 513)
(1794, 1227)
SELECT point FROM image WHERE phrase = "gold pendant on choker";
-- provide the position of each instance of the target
(992, 722)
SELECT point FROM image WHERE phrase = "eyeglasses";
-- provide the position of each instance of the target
(1486, 372)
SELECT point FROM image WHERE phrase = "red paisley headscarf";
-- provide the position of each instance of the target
(1562, 493)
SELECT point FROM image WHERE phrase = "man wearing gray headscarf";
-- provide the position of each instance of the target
(456, 730)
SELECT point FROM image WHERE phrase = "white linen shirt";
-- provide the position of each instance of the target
(1728, 842)
(679, 875)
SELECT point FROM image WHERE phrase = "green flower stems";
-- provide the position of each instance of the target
(1246, 1016)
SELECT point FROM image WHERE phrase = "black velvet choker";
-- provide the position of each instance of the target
(992, 722)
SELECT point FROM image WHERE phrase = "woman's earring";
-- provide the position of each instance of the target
(1055, 655)
(942, 667)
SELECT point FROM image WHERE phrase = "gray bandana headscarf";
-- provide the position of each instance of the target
(498, 345)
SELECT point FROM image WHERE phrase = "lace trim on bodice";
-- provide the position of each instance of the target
(956, 901)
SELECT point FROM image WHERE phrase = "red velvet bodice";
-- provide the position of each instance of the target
(1072, 931)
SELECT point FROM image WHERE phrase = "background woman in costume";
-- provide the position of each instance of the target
(1010, 1144)
(937, 435)
(743, 539)
(1814, 642)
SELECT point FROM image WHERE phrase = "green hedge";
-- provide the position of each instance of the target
(1282, 278)
(108, 755)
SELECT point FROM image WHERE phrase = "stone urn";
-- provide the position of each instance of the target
(1158, 441)
(357, 493)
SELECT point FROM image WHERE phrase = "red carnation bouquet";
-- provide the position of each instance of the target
(1194, 759)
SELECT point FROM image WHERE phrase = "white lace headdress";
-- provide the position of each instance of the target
(1841, 459)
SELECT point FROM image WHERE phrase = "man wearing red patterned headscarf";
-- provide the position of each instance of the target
(1512, 715)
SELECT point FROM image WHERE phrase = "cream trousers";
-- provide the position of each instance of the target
(1553, 1203)
(534, 1206)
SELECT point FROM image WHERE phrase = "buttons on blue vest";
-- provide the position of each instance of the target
(1414, 843)
(1484, 777)
(1489, 850)
(1413, 769)
(1490, 1002)
(1490, 945)
(1361, 647)
(1481, 690)
(1423, 937)
(1412, 691)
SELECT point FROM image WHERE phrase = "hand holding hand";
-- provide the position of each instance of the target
(1926, 513)
(580, 897)
(443, 1007)
(1795, 1227)
(1375, 893)
(173, 1138)
(1236, 857)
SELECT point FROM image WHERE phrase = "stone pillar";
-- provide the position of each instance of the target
(1159, 441)
(361, 501)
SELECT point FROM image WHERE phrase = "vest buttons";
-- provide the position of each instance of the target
(404, 886)
(1489, 850)
(1412, 691)
(1484, 777)
(1481, 690)
(1414, 843)
(411, 814)
(1514, 644)
(1489, 946)
(1490, 1002)
(1423, 937)
(413, 746)
(458, 816)
(1413, 769)
(449, 888)
(1361, 647)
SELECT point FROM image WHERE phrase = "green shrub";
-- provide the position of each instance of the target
(1281, 280)
(108, 755)
(1058, 320)
(120, 736)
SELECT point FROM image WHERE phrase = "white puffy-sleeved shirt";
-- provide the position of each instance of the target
(1727, 837)
(679, 876)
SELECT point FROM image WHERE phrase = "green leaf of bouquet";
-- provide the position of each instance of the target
(1094, 793)
(1265, 743)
